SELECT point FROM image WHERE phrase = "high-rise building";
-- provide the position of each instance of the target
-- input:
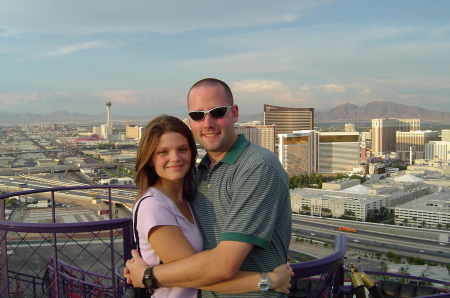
(384, 133)
(308, 151)
(131, 131)
(437, 149)
(106, 131)
(288, 120)
(414, 140)
(338, 151)
(262, 135)
(298, 152)
(349, 127)
(445, 135)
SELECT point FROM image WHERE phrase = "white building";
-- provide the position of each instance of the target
(431, 211)
(437, 149)
(307, 151)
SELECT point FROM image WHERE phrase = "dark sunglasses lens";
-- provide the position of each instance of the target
(197, 116)
(218, 112)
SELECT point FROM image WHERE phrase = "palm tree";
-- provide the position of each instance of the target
(423, 223)
(414, 219)
(405, 222)
(438, 226)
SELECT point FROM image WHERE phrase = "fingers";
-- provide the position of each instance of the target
(134, 253)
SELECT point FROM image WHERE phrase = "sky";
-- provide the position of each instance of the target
(144, 55)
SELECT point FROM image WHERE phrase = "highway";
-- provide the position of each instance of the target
(316, 228)
(325, 230)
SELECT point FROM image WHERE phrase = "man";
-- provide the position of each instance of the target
(242, 205)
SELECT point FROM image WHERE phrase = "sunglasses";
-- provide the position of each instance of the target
(215, 113)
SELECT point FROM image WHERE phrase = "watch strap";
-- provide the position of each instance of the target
(264, 283)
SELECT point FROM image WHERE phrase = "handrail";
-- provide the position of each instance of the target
(323, 265)
(62, 227)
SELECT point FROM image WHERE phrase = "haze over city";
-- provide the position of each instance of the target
(144, 55)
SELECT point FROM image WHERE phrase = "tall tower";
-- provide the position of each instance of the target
(287, 119)
(108, 112)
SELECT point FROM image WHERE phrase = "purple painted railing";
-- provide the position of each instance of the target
(85, 259)
(81, 259)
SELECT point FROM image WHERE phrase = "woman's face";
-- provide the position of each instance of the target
(172, 157)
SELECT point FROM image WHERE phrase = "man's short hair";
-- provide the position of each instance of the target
(211, 82)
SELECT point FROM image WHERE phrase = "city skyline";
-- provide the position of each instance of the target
(143, 57)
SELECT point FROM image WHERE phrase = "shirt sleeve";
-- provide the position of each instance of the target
(154, 211)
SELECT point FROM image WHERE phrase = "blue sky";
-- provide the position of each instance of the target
(143, 55)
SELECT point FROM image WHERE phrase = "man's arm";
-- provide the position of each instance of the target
(204, 268)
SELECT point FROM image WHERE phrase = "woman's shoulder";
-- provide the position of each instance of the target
(153, 196)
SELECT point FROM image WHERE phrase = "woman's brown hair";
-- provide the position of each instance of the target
(145, 174)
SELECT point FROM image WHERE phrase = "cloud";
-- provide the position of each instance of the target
(65, 50)
(86, 17)
(121, 97)
(256, 85)
(408, 96)
(21, 98)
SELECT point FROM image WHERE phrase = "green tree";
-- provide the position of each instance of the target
(390, 255)
(306, 209)
(405, 222)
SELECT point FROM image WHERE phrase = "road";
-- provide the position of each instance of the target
(370, 241)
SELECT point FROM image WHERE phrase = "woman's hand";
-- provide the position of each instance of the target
(134, 269)
(280, 278)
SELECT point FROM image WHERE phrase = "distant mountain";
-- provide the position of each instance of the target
(379, 109)
(342, 113)
(66, 117)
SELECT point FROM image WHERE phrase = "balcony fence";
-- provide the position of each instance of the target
(85, 259)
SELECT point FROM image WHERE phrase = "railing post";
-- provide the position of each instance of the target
(111, 240)
(4, 257)
(55, 248)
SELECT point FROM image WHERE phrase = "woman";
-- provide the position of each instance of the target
(165, 166)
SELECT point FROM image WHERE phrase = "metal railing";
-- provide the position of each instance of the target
(85, 259)
(53, 259)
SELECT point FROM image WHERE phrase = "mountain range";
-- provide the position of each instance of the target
(379, 109)
(342, 113)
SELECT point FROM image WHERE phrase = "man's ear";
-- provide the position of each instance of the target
(235, 110)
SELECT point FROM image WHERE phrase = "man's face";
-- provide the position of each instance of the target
(215, 135)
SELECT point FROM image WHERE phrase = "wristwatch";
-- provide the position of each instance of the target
(264, 283)
(149, 280)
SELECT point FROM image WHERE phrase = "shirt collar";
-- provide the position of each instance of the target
(233, 154)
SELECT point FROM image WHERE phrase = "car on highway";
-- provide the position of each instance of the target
(442, 243)
(421, 250)
(355, 240)
(312, 234)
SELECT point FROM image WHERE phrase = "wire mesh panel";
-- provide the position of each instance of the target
(81, 263)
(50, 259)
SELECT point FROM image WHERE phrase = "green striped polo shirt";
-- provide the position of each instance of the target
(245, 197)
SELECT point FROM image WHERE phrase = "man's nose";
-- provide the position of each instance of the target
(208, 121)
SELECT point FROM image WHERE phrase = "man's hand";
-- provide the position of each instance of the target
(280, 278)
(134, 269)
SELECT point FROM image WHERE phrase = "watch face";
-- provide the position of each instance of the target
(263, 286)
(148, 280)
(264, 283)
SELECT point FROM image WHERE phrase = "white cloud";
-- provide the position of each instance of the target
(121, 97)
(65, 50)
(85, 17)
(20, 98)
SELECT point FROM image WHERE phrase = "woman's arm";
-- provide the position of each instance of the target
(170, 245)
